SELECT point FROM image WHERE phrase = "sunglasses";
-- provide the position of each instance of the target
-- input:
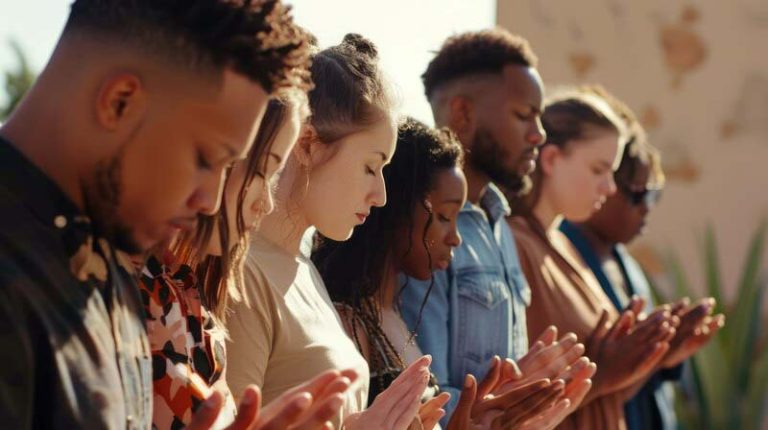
(646, 196)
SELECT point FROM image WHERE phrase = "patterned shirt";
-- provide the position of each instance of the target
(181, 330)
(72, 338)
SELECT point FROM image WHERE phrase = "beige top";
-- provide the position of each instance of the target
(287, 331)
(565, 293)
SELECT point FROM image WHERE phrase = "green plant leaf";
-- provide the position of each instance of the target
(757, 397)
(712, 268)
(746, 314)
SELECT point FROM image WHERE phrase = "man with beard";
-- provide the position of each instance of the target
(124, 139)
(485, 87)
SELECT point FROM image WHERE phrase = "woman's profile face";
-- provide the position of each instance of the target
(430, 244)
(258, 200)
(580, 176)
(346, 180)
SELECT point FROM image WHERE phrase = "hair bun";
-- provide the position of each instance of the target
(361, 45)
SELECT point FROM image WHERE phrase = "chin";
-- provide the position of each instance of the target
(336, 234)
(580, 215)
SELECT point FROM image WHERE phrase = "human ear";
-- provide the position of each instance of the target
(121, 100)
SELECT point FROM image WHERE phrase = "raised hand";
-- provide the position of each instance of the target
(486, 407)
(306, 407)
(397, 406)
(578, 383)
(628, 351)
(551, 360)
(697, 326)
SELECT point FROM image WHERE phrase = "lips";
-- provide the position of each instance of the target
(362, 217)
(444, 262)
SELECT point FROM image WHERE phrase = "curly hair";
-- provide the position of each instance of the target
(476, 52)
(354, 270)
(255, 38)
(350, 93)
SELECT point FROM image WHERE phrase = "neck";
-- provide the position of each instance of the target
(546, 214)
(48, 125)
(389, 287)
(286, 226)
(476, 183)
(41, 130)
(602, 247)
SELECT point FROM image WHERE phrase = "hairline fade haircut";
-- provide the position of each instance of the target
(255, 38)
(476, 53)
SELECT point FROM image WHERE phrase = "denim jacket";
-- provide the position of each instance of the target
(476, 308)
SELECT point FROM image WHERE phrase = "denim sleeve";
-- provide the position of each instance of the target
(433, 330)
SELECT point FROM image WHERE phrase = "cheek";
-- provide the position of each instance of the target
(577, 190)
(155, 184)
(259, 202)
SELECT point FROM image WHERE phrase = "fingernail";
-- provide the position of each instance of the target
(467, 381)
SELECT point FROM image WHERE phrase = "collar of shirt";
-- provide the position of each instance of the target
(493, 203)
(48, 203)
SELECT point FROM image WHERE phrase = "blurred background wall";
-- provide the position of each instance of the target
(696, 74)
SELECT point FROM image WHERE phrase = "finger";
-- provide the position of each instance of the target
(571, 372)
(314, 386)
(350, 374)
(598, 333)
(636, 305)
(574, 385)
(537, 346)
(578, 391)
(248, 410)
(561, 362)
(434, 403)
(550, 418)
(650, 361)
(679, 307)
(320, 413)
(537, 403)
(511, 397)
(401, 388)
(281, 415)
(462, 413)
(491, 378)
(207, 413)
(510, 371)
(338, 385)
(430, 421)
(548, 336)
(544, 357)
(405, 410)
(624, 324)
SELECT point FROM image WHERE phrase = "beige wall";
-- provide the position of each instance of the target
(697, 74)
